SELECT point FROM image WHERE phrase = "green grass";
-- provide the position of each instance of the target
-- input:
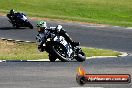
(99, 52)
(28, 51)
(114, 12)
(18, 51)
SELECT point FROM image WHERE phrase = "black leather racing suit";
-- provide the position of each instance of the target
(43, 35)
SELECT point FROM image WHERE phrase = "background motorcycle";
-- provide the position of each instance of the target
(19, 20)
(58, 47)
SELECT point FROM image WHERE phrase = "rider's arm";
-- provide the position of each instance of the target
(49, 32)
(41, 39)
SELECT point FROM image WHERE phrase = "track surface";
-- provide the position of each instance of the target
(62, 75)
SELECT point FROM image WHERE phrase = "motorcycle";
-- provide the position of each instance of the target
(19, 20)
(58, 47)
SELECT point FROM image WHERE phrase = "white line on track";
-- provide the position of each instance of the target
(86, 87)
(129, 28)
(94, 26)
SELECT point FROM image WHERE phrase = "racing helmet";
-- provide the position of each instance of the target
(42, 24)
(12, 11)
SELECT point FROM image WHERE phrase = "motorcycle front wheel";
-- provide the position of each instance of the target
(29, 25)
(61, 52)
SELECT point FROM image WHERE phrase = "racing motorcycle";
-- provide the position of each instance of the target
(58, 47)
(19, 20)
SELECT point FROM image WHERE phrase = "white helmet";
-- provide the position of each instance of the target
(59, 27)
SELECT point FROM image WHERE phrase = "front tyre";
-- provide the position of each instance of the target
(61, 52)
(29, 25)
(80, 57)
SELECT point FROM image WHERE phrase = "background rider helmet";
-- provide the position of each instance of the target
(12, 11)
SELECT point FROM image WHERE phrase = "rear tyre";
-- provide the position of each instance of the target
(80, 57)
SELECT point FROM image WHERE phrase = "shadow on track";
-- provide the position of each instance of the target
(11, 28)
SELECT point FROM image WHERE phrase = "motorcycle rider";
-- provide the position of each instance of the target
(18, 19)
(13, 15)
(45, 32)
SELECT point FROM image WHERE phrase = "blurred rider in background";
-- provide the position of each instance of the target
(12, 15)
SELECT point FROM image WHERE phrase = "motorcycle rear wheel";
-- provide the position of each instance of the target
(80, 57)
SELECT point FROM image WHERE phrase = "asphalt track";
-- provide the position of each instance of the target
(60, 74)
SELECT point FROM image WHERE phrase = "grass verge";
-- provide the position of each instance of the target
(28, 51)
(115, 12)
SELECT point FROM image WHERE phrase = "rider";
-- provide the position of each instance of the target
(44, 32)
(13, 14)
